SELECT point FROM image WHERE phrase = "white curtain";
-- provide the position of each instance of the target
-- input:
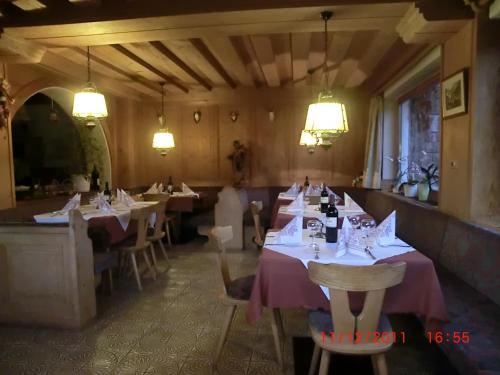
(373, 149)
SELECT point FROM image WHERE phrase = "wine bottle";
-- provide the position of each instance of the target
(324, 199)
(170, 185)
(332, 215)
(94, 179)
(306, 183)
(107, 193)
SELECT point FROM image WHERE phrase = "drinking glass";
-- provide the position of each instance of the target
(366, 227)
(354, 222)
(313, 227)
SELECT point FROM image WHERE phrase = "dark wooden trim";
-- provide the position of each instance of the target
(96, 11)
(422, 86)
(209, 56)
(148, 66)
(118, 70)
(165, 51)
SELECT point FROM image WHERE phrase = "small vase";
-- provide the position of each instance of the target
(410, 190)
(423, 192)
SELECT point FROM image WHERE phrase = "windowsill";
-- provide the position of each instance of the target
(414, 201)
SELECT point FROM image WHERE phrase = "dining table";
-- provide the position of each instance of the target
(282, 281)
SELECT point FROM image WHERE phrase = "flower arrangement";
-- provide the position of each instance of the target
(431, 175)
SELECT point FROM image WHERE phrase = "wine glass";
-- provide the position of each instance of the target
(354, 220)
(313, 227)
(366, 227)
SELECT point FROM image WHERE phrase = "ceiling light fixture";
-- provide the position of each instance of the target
(326, 118)
(89, 105)
(163, 140)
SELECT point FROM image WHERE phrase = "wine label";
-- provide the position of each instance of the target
(331, 222)
(324, 200)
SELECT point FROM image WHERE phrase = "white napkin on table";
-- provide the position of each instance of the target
(126, 199)
(313, 191)
(119, 197)
(104, 205)
(291, 234)
(293, 190)
(344, 237)
(297, 204)
(350, 204)
(186, 189)
(152, 190)
(385, 233)
(160, 188)
(73, 204)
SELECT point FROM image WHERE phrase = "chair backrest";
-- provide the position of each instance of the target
(341, 279)
(142, 216)
(160, 218)
(220, 236)
(162, 197)
(256, 208)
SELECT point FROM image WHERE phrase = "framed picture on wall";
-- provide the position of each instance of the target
(454, 95)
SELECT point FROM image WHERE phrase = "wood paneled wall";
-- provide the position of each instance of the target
(200, 156)
(455, 176)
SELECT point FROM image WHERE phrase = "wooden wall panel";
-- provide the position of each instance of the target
(454, 194)
(200, 156)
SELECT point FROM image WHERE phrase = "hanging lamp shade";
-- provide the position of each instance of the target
(88, 103)
(326, 118)
(163, 140)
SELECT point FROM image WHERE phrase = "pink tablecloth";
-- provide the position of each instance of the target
(279, 202)
(282, 282)
(182, 203)
(113, 227)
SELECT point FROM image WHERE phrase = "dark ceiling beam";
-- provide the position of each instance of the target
(151, 68)
(118, 70)
(209, 56)
(165, 51)
(9, 10)
(106, 11)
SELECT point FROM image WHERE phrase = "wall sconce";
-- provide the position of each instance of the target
(271, 115)
(197, 116)
(234, 116)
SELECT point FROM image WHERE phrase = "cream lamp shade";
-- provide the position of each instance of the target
(89, 104)
(163, 140)
(326, 119)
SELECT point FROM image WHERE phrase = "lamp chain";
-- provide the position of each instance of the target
(88, 63)
(162, 105)
(325, 68)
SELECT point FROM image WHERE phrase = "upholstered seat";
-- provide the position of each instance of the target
(241, 288)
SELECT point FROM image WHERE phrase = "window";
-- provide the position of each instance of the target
(420, 128)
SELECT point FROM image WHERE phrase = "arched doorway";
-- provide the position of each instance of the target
(49, 146)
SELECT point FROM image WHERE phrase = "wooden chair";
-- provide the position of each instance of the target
(237, 293)
(104, 259)
(139, 244)
(156, 234)
(340, 279)
(168, 217)
(256, 208)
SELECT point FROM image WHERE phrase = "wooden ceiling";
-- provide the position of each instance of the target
(194, 51)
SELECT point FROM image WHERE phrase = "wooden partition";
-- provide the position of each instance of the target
(46, 274)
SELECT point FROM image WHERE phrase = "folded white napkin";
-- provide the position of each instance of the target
(293, 190)
(126, 199)
(258, 204)
(119, 197)
(186, 189)
(291, 234)
(160, 187)
(152, 190)
(313, 191)
(350, 204)
(385, 233)
(297, 204)
(330, 193)
(344, 237)
(73, 204)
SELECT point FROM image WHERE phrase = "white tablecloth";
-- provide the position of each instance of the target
(121, 212)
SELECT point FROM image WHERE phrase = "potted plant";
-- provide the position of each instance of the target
(425, 185)
(411, 186)
(397, 182)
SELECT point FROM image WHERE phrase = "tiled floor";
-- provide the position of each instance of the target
(170, 328)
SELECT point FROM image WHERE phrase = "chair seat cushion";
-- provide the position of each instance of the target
(321, 321)
(104, 261)
(241, 288)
